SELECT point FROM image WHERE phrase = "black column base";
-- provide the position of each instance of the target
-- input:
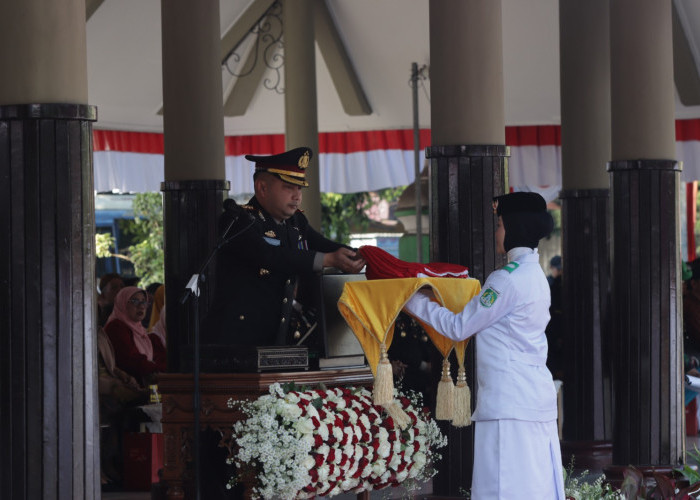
(464, 181)
(191, 211)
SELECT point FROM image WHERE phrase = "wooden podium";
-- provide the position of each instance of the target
(176, 391)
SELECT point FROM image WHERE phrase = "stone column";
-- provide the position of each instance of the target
(585, 128)
(646, 298)
(48, 370)
(468, 161)
(195, 184)
(300, 100)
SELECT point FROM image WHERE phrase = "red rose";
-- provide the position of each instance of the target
(405, 402)
(316, 422)
(318, 440)
(319, 459)
(331, 455)
(314, 475)
(375, 444)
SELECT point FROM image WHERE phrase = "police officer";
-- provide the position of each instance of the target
(516, 442)
(271, 244)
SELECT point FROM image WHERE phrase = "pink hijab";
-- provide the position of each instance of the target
(138, 332)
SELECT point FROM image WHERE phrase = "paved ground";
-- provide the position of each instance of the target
(691, 442)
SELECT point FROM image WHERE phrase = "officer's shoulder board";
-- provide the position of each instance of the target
(511, 266)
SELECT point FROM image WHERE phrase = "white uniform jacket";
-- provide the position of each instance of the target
(510, 316)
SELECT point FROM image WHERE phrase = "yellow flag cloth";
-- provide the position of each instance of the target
(370, 308)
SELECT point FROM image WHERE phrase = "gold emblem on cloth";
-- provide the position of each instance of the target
(263, 272)
(270, 234)
(304, 160)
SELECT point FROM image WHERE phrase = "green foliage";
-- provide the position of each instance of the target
(578, 487)
(146, 234)
(342, 214)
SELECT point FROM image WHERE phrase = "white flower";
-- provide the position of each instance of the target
(323, 473)
(291, 398)
(419, 460)
(384, 449)
(289, 411)
(378, 467)
(323, 432)
(395, 461)
(304, 426)
(279, 444)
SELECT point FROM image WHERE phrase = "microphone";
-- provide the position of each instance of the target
(232, 212)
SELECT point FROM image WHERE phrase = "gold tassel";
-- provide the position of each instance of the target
(401, 419)
(462, 415)
(384, 380)
(444, 405)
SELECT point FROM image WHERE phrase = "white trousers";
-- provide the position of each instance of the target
(517, 460)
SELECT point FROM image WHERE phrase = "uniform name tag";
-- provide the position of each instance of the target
(488, 297)
(272, 241)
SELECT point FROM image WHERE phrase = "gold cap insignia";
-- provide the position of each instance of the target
(270, 234)
(304, 160)
(263, 272)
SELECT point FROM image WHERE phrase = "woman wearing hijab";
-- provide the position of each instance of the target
(136, 352)
(516, 441)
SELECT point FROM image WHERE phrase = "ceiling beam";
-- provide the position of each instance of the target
(91, 6)
(344, 77)
(240, 29)
(240, 91)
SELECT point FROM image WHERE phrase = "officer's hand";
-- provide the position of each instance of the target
(344, 259)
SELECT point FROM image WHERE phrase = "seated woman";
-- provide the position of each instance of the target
(136, 352)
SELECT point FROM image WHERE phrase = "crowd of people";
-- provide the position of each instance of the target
(131, 343)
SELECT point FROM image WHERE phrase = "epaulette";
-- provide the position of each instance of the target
(511, 266)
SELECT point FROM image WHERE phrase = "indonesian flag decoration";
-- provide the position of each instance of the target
(370, 308)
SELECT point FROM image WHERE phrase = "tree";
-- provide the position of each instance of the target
(146, 233)
(340, 213)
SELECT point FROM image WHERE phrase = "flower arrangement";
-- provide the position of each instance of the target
(305, 443)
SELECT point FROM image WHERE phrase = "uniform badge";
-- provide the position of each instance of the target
(488, 297)
(263, 272)
(270, 234)
(304, 160)
(511, 266)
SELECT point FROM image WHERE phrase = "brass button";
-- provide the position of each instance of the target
(284, 319)
(241, 317)
(297, 335)
(284, 300)
(288, 282)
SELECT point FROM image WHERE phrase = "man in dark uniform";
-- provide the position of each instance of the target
(257, 270)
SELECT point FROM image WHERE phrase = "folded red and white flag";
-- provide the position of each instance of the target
(382, 265)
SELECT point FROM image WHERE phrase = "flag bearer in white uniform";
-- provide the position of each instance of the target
(516, 447)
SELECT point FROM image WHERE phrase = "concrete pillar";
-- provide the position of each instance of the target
(48, 370)
(300, 100)
(194, 187)
(646, 298)
(584, 48)
(468, 162)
